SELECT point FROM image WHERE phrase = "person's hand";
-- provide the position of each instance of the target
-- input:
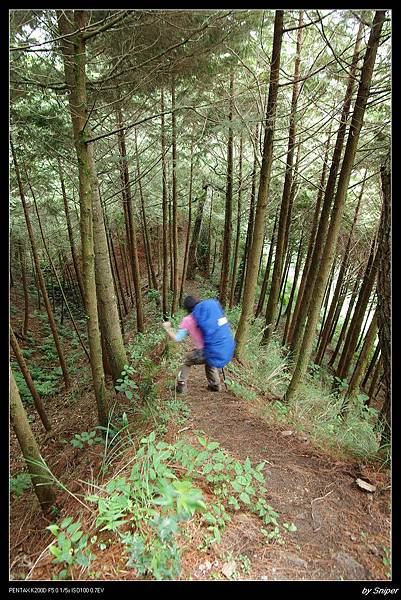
(166, 325)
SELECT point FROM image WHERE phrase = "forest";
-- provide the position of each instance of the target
(238, 155)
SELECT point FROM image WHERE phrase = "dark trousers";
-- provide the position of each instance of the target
(196, 357)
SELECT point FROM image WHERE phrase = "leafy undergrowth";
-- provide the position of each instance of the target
(147, 511)
(150, 493)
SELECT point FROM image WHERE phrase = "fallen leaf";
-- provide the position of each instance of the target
(228, 569)
(206, 566)
(364, 485)
(285, 433)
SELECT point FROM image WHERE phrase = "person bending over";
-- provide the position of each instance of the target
(188, 326)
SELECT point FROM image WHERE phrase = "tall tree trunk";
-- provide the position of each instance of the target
(225, 262)
(265, 281)
(371, 367)
(127, 243)
(40, 277)
(148, 250)
(30, 450)
(136, 276)
(106, 295)
(21, 253)
(283, 284)
(74, 56)
(188, 236)
(284, 218)
(117, 273)
(116, 281)
(192, 263)
(71, 236)
(293, 288)
(209, 235)
(356, 322)
(326, 298)
(316, 259)
(352, 301)
(174, 198)
(25, 372)
(304, 354)
(365, 324)
(384, 299)
(165, 214)
(249, 231)
(36, 279)
(170, 232)
(62, 298)
(344, 264)
(264, 183)
(375, 378)
(357, 375)
(11, 260)
(214, 256)
(127, 278)
(71, 283)
(339, 306)
(311, 244)
(238, 230)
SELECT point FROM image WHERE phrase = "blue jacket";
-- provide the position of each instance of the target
(219, 341)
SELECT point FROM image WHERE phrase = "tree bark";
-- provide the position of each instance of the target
(106, 295)
(136, 276)
(375, 378)
(311, 245)
(357, 375)
(372, 366)
(293, 288)
(344, 264)
(265, 281)
(31, 386)
(148, 250)
(30, 450)
(165, 214)
(352, 301)
(238, 230)
(354, 329)
(225, 261)
(283, 285)
(74, 57)
(71, 237)
(284, 219)
(188, 236)
(249, 231)
(117, 273)
(174, 199)
(195, 235)
(384, 299)
(25, 325)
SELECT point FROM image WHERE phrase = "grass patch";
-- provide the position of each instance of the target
(316, 408)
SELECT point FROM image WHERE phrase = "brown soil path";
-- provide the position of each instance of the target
(342, 532)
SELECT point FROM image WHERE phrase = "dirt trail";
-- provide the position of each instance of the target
(341, 532)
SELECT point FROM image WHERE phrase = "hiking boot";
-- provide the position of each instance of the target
(180, 387)
(213, 388)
